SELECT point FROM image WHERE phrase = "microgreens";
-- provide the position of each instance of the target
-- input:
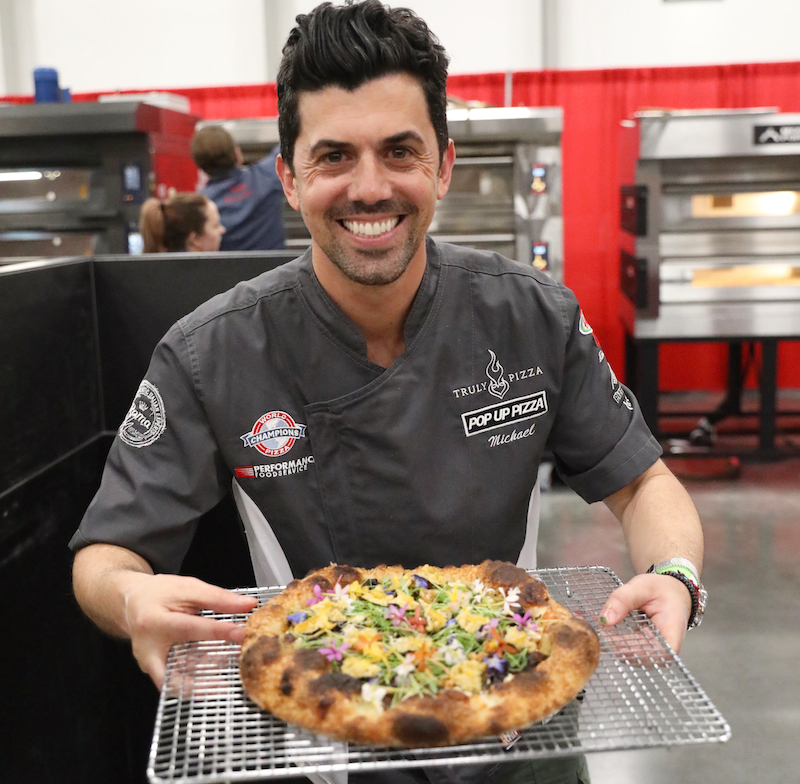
(414, 643)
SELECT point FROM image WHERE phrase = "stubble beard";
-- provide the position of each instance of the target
(376, 267)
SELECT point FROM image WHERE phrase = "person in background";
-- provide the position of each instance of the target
(187, 222)
(249, 198)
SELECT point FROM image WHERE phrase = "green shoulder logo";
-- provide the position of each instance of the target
(583, 326)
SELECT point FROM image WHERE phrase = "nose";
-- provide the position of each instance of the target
(370, 182)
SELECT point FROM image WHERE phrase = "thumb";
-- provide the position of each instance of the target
(622, 601)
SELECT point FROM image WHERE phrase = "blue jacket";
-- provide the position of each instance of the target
(250, 202)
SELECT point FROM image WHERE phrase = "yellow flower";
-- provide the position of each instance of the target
(406, 644)
(466, 675)
(378, 596)
(375, 651)
(435, 619)
(404, 598)
(363, 638)
(469, 622)
(357, 667)
(516, 637)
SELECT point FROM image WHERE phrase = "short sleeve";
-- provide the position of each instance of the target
(164, 469)
(599, 439)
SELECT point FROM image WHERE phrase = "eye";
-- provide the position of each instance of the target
(333, 156)
(398, 153)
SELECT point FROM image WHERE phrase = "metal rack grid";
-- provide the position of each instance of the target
(641, 696)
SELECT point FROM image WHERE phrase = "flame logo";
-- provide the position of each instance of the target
(498, 386)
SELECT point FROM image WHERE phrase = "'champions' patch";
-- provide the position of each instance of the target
(146, 419)
(274, 434)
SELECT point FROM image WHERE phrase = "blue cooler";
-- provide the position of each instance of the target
(46, 85)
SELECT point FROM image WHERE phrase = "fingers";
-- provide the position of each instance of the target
(628, 597)
(201, 595)
(662, 598)
(164, 609)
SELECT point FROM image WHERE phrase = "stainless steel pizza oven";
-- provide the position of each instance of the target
(73, 176)
(506, 189)
(710, 214)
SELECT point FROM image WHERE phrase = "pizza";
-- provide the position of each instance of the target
(415, 657)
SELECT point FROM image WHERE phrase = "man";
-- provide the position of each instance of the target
(393, 396)
(249, 199)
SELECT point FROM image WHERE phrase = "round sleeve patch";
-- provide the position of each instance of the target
(146, 419)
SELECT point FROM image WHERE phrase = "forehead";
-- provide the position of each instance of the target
(377, 109)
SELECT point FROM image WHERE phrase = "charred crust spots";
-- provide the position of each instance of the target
(532, 681)
(309, 659)
(503, 574)
(265, 650)
(346, 684)
(324, 705)
(569, 638)
(534, 659)
(344, 575)
(286, 681)
(533, 593)
(414, 730)
(323, 582)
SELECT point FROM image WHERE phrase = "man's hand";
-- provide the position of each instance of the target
(117, 589)
(665, 600)
(163, 609)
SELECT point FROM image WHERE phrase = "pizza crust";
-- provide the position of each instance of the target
(300, 686)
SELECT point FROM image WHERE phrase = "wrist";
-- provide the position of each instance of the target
(685, 571)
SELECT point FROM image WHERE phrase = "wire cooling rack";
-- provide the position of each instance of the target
(641, 696)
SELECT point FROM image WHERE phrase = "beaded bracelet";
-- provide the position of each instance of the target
(692, 591)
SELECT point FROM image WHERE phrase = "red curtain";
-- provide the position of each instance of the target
(594, 103)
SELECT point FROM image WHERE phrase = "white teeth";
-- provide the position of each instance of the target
(371, 229)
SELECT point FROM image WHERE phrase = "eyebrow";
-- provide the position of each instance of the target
(333, 144)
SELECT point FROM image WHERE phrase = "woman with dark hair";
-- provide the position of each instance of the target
(186, 222)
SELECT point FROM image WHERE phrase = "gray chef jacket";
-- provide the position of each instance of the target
(432, 460)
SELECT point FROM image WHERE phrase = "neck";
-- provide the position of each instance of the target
(378, 311)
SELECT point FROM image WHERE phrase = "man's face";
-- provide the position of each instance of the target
(367, 176)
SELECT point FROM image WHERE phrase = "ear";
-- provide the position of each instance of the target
(446, 170)
(287, 180)
(191, 241)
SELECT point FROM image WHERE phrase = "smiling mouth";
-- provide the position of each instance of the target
(371, 229)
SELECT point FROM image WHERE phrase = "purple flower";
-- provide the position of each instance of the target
(496, 668)
(487, 629)
(396, 614)
(297, 617)
(334, 652)
(524, 620)
(421, 582)
(317, 597)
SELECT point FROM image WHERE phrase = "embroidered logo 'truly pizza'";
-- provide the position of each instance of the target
(146, 419)
(498, 386)
(274, 434)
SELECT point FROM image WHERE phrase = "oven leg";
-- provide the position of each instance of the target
(768, 390)
(648, 383)
(735, 380)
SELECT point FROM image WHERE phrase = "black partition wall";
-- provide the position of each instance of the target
(75, 340)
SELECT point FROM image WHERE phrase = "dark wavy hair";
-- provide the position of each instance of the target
(348, 45)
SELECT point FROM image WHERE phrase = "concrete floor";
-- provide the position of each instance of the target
(746, 654)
